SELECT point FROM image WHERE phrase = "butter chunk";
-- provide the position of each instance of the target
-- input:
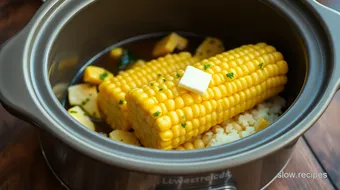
(195, 80)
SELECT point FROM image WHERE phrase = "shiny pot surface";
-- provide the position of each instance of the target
(304, 31)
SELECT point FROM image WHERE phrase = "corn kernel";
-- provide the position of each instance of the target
(163, 123)
(180, 148)
(188, 100)
(179, 102)
(198, 144)
(176, 130)
(166, 135)
(188, 114)
(188, 146)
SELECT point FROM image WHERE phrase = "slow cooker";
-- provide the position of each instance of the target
(306, 32)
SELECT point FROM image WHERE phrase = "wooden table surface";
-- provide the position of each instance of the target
(22, 166)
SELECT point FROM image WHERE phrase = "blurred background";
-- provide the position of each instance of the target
(14, 14)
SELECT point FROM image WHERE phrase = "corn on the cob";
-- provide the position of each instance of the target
(166, 116)
(111, 97)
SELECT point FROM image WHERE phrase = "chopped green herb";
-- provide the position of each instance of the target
(261, 65)
(160, 89)
(72, 111)
(121, 102)
(126, 59)
(85, 101)
(156, 114)
(164, 80)
(103, 75)
(159, 75)
(206, 66)
(85, 114)
(151, 84)
(230, 75)
(183, 125)
(178, 75)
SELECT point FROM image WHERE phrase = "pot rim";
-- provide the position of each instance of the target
(158, 161)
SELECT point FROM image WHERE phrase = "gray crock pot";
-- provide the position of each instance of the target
(307, 33)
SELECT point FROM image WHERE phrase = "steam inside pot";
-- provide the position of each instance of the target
(131, 93)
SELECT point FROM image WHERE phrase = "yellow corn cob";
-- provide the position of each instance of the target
(111, 97)
(166, 116)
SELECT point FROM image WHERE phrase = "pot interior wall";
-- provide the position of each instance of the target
(104, 23)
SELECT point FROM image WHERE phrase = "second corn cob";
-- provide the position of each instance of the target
(166, 116)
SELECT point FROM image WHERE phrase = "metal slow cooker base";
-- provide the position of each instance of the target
(226, 187)
(50, 167)
(71, 170)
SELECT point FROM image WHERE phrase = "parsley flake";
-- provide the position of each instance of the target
(72, 111)
(261, 65)
(206, 66)
(160, 89)
(159, 75)
(178, 75)
(103, 75)
(121, 102)
(156, 114)
(85, 101)
(230, 75)
(183, 125)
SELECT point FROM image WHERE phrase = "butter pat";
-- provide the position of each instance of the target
(195, 80)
